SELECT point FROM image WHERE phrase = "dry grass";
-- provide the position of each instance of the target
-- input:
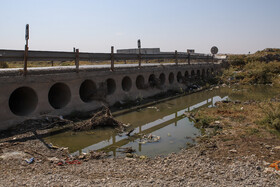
(244, 128)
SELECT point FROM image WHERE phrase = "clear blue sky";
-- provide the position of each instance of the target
(235, 26)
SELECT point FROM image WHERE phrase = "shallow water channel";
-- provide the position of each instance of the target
(165, 119)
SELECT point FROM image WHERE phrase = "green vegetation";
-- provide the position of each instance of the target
(263, 67)
(272, 116)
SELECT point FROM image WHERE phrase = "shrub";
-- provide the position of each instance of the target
(260, 72)
(272, 116)
(237, 60)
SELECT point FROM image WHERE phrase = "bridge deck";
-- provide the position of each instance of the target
(101, 67)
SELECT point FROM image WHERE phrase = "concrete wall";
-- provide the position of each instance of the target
(143, 51)
(56, 92)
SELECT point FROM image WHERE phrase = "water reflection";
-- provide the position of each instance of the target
(166, 120)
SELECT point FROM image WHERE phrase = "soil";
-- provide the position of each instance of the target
(234, 151)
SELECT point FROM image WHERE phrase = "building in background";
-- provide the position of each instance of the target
(136, 51)
(191, 51)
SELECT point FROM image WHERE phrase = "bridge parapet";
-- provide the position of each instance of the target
(61, 90)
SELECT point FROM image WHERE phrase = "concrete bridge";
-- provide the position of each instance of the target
(63, 90)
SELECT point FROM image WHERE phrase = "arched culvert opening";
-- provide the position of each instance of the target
(152, 81)
(171, 78)
(179, 77)
(59, 95)
(192, 74)
(198, 73)
(87, 91)
(23, 101)
(187, 75)
(208, 72)
(212, 71)
(111, 86)
(162, 78)
(140, 82)
(126, 84)
(203, 73)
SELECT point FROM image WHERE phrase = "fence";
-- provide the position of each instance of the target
(19, 55)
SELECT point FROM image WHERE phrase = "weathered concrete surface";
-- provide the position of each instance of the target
(23, 98)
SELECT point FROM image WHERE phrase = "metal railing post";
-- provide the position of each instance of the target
(139, 55)
(25, 59)
(176, 57)
(77, 60)
(112, 58)
(26, 49)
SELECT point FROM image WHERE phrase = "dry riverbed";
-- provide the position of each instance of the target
(236, 149)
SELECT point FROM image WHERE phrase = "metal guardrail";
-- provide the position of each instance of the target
(19, 55)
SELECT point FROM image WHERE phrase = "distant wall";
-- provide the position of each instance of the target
(143, 51)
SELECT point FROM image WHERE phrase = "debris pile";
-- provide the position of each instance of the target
(102, 118)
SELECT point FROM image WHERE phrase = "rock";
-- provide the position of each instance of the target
(142, 157)
(277, 147)
(232, 151)
(129, 155)
(266, 163)
(268, 170)
(267, 146)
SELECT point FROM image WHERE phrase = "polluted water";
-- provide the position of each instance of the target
(159, 129)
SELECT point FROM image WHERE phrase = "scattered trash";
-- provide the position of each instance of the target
(51, 146)
(275, 165)
(30, 161)
(73, 162)
(53, 159)
(149, 139)
(233, 151)
(67, 161)
(154, 107)
(92, 155)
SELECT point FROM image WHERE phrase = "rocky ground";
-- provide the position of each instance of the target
(234, 151)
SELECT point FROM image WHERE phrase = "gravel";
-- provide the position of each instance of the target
(187, 168)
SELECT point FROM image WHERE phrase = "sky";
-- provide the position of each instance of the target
(234, 26)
